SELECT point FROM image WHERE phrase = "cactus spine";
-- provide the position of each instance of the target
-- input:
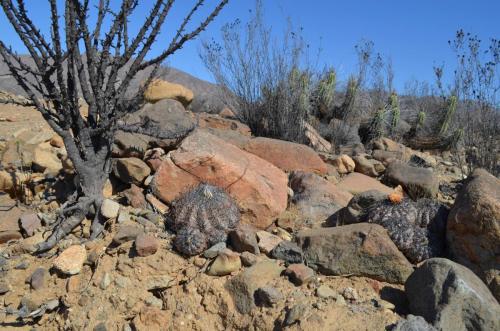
(448, 117)
(396, 114)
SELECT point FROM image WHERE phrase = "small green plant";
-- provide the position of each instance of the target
(351, 93)
(395, 112)
(420, 119)
(448, 117)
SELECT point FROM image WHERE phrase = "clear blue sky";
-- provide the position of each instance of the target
(414, 33)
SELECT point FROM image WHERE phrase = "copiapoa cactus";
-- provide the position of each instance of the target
(395, 112)
(448, 117)
(201, 218)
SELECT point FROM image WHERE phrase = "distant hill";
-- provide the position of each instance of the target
(206, 94)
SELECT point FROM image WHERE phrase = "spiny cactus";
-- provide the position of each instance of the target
(448, 117)
(325, 92)
(203, 217)
(420, 119)
(350, 97)
(395, 112)
(377, 124)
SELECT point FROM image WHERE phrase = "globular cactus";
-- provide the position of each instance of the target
(201, 218)
(395, 112)
(448, 117)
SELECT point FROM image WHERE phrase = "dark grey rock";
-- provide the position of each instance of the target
(213, 251)
(417, 182)
(295, 314)
(38, 279)
(413, 323)
(244, 239)
(288, 252)
(451, 297)
(358, 207)
(267, 296)
(417, 228)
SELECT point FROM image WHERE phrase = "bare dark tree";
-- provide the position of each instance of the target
(97, 65)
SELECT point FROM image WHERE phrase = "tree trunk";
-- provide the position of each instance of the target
(87, 200)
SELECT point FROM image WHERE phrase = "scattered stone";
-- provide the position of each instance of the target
(7, 236)
(244, 239)
(295, 314)
(451, 297)
(22, 265)
(105, 281)
(248, 259)
(343, 163)
(315, 197)
(417, 182)
(131, 170)
(38, 279)
(267, 296)
(473, 229)
(57, 141)
(243, 286)
(213, 251)
(413, 323)
(70, 261)
(267, 241)
(4, 287)
(286, 155)
(283, 234)
(417, 228)
(146, 244)
(110, 208)
(29, 223)
(359, 249)
(73, 284)
(226, 262)
(126, 232)
(151, 318)
(158, 282)
(135, 197)
(325, 292)
(299, 274)
(157, 204)
(350, 294)
(288, 252)
(368, 167)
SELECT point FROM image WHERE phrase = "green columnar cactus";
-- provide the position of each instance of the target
(325, 92)
(421, 119)
(448, 117)
(377, 124)
(350, 96)
(394, 106)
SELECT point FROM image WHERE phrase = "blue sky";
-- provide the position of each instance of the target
(413, 33)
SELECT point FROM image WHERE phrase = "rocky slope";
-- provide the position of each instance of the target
(302, 239)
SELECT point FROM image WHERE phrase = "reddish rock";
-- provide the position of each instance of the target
(299, 274)
(259, 188)
(356, 183)
(217, 122)
(170, 181)
(7, 236)
(151, 319)
(29, 223)
(131, 170)
(244, 239)
(146, 245)
(287, 155)
(135, 197)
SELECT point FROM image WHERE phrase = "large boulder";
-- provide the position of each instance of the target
(259, 188)
(316, 198)
(451, 297)
(473, 231)
(417, 182)
(170, 182)
(160, 90)
(417, 228)
(287, 155)
(130, 144)
(216, 122)
(357, 183)
(358, 249)
(165, 118)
